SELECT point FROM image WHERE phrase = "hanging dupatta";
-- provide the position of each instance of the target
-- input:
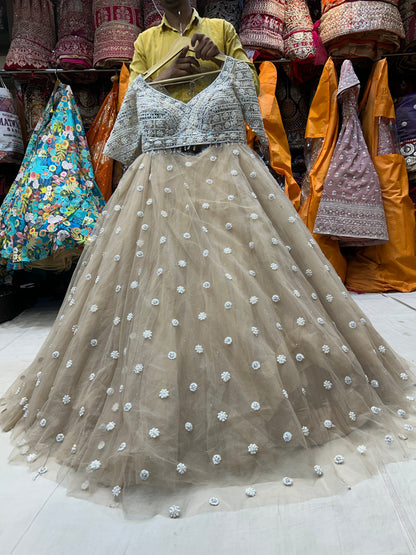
(100, 131)
(391, 266)
(280, 158)
(321, 135)
(53, 204)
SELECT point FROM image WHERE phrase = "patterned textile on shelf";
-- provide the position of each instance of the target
(230, 10)
(153, 12)
(117, 24)
(75, 46)
(391, 266)
(33, 35)
(369, 28)
(298, 37)
(321, 135)
(53, 204)
(406, 130)
(351, 208)
(261, 26)
(408, 12)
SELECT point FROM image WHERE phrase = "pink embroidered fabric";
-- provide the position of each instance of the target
(117, 24)
(369, 28)
(75, 46)
(153, 12)
(297, 31)
(351, 208)
(261, 26)
(33, 35)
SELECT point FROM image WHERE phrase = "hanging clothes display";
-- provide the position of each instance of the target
(391, 266)
(75, 46)
(230, 10)
(261, 26)
(100, 131)
(205, 350)
(321, 135)
(89, 100)
(365, 28)
(54, 203)
(293, 103)
(116, 24)
(153, 12)
(33, 35)
(408, 12)
(351, 207)
(406, 130)
(280, 158)
(35, 98)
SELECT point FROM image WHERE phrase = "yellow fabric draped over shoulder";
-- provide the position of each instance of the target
(100, 130)
(321, 132)
(391, 266)
(280, 158)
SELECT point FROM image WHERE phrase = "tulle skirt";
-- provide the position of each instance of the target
(206, 352)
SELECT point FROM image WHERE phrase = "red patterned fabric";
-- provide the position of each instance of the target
(75, 46)
(369, 28)
(297, 31)
(153, 12)
(117, 24)
(261, 26)
(33, 35)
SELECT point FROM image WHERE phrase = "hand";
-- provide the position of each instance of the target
(182, 65)
(205, 48)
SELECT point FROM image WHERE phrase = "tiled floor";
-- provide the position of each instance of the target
(377, 517)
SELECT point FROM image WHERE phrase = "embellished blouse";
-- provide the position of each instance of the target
(151, 120)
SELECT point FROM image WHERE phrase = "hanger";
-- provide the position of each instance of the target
(177, 46)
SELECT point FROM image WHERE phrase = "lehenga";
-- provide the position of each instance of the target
(206, 351)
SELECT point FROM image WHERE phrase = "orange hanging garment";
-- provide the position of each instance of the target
(391, 266)
(97, 137)
(321, 136)
(100, 130)
(280, 159)
(123, 85)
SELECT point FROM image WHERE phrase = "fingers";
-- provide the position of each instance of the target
(205, 48)
(183, 52)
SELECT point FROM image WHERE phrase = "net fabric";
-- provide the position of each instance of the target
(205, 345)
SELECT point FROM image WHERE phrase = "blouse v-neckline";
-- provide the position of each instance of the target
(218, 78)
